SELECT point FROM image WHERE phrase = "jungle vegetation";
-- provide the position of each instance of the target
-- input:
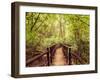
(46, 29)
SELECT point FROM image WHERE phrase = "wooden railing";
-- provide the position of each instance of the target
(75, 56)
(71, 55)
(29, 61)
(49, 55)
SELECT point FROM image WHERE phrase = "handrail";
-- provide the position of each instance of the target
(67, 46)
(79, 58)
(71, 55)
(75, 55)
(35, 58)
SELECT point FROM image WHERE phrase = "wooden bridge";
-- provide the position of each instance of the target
(56, 55)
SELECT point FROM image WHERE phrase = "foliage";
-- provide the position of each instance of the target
(46, 29)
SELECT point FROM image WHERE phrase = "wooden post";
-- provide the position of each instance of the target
(66, 54)
(69, 56)
(48, 56)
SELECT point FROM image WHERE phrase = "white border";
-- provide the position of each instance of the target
(53, 69)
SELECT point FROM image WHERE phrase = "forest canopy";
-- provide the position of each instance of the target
(47, 29)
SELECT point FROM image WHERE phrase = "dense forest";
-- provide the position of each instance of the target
(47, 29)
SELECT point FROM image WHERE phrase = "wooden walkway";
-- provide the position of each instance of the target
(57, 55)
(59, 58)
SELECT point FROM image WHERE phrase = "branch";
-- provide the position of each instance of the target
(82, 21)
(35, 22)
(41, 23)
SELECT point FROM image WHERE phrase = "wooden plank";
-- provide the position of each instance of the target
(35, 58)
(79, 58)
